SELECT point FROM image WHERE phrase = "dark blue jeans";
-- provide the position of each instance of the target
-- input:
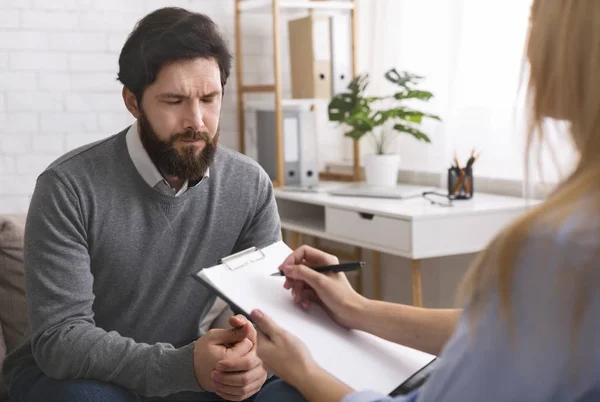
(32, 385)
(279, 391)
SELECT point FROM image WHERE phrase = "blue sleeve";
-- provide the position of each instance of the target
(489, 360)
(370, 396)
(530, 358)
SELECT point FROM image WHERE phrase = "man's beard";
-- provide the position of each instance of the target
(186, 165)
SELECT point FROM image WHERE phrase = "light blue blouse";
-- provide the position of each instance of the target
(548, 357)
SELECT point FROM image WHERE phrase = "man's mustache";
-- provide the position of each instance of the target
(192, 136)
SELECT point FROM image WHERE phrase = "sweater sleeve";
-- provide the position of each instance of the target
(65, 341)
(264, 227)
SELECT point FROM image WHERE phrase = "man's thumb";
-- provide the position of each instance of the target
(241, 322)
(227, 336)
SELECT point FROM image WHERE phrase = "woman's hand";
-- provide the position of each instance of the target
(282, 353)
(332, 291)
(286, 356)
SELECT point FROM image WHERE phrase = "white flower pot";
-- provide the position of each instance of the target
(382, 170)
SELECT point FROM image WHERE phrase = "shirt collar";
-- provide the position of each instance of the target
(142, 161)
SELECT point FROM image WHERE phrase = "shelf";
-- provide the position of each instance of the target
(249, 104)
(286, 104)
(298, 217)
(258, 88)
(311, 227)
(266, 5)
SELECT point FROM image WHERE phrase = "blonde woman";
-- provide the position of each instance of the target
(530, 329)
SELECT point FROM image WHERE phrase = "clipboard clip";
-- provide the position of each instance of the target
(242, 258)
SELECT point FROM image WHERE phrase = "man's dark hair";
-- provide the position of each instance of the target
(167, 35)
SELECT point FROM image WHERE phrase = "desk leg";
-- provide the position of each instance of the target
(376, 266)
(299, 240)
(417, 287)
(296, 239)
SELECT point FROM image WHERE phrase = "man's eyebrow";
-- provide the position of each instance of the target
(174, 95)
(171, 95)
(212, 94)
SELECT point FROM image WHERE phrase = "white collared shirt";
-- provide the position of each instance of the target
(147, 168)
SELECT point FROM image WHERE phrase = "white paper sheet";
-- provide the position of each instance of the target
(360, 360)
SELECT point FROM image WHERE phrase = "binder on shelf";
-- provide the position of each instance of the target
(300, 146)
(341, 52)
(291, 148)
(309, 150)
(310, 57)
(362, 360)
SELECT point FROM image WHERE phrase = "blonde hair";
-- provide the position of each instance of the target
(563, 51)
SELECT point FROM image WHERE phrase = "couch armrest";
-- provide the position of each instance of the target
(3, 387)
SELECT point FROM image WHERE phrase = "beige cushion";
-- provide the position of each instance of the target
(13, 307)
(3, 387)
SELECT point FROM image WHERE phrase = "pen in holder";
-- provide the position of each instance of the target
(460, 183)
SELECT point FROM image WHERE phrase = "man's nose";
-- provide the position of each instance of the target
(194, 117)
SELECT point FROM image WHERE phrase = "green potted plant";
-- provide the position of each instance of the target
(382, 117)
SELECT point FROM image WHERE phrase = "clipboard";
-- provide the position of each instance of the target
(251, 269)
(234, 261)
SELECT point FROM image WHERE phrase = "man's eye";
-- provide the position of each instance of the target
(208, 100)
(174, 102)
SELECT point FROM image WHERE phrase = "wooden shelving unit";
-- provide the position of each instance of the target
(277, 9)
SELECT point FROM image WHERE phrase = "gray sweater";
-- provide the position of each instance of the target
(108, 263)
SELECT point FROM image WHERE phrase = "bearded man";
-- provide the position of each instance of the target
(116, 228)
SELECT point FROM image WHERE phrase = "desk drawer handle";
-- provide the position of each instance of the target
(366, 216)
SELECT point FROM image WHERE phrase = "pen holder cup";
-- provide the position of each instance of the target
(460, 183)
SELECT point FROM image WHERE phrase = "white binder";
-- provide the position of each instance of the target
(341, 52)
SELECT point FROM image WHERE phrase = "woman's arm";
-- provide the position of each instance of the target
(424, 329)
(320, 386)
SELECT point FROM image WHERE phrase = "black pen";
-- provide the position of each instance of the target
(345, 267)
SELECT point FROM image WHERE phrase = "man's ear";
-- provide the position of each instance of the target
(131, 102)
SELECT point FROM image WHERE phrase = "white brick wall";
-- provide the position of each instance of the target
(42, 101)
(82, 42)
(37, 61)
(4, 60)
(93, 62)
(24, 40)
(58, 88)
(10, 18)
(49, 20)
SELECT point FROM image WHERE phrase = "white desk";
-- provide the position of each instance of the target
(411, 228)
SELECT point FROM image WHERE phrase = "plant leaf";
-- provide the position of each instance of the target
(413, 117)
(354, 109)
(403, 79)
(404, 114)
(419, 135)
(341, 107)
(355, 134)
(345, 104)
(414, 94)
(432, 116)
